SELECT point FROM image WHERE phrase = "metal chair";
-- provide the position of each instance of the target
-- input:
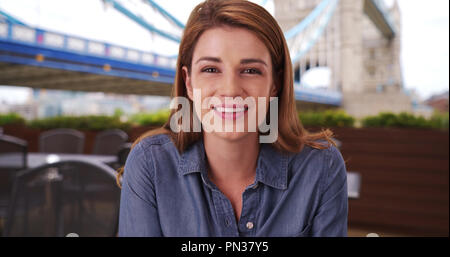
(122, 156)
(61, 141)
(123, 153)
(109, 142)
(13, 157)
(64, 198)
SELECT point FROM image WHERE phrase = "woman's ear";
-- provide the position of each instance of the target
(274, 90)
(187, 82)
(276, 86)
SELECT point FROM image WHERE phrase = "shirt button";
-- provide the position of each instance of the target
(255, 186)
(249, 225)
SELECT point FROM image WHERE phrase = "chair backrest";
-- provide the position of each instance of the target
(13, 157)
(123, 154)
(13, 152)
(108, 142)
(62, 198)
(61, 141)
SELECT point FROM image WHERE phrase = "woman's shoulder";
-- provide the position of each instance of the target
(151, 148)
(329, 151)
(154, 140)
(315, 159)
(147, 154)
(317, 167)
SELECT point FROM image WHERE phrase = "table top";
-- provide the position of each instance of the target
(14, 160)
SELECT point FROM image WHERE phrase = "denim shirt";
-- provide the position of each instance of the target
(165, 193)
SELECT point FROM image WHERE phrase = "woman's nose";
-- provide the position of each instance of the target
(230, 87)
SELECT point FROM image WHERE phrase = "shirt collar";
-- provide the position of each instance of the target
(271, 169)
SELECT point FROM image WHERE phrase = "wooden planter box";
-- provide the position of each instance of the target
(405, 179)
(405, 176)
(32, 135)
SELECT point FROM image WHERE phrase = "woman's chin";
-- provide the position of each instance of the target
(232, 136)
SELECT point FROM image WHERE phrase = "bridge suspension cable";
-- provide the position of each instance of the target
(8, 18)
(121, 7)
(166, 14)
(302, 37)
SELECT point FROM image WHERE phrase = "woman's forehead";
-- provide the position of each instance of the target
(230, 43)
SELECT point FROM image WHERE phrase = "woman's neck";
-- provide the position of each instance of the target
(231, 160)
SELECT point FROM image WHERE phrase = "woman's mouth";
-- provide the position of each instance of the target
(231, 111)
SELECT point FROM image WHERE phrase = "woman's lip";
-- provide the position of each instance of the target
(229, 109)
(230, 115)
(230, 105)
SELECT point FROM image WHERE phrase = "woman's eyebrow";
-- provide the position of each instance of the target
(243, 61)
(252, 60)
(208, 58)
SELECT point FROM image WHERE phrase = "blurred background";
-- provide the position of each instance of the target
(96, 74)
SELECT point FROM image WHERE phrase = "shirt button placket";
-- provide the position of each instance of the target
(227, 222)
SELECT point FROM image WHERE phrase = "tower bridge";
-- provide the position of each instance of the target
(358, 40)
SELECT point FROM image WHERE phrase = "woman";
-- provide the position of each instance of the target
(218, 183)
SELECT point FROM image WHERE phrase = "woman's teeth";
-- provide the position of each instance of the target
(229, 109)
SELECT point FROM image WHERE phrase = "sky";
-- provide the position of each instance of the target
(425, 34)
(425, 45)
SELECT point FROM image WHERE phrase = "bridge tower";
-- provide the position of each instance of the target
(361, 46)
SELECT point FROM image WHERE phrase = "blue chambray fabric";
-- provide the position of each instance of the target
(165, 193)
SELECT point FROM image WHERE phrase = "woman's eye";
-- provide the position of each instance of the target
(252, 71)
(209, 70)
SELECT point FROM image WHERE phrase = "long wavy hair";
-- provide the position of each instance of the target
(292, 136)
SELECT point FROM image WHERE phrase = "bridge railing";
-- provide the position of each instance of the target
(315, 95)
(57, 41)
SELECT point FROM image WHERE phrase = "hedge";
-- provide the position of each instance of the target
(439, 120)
(90, 122)
(406, 120)
(11, 119)
(155, 118)
(328, 118)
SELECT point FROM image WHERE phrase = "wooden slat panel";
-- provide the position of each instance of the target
(410, 149)
(367, 160)
(410, 177)
(394, 221)
(405, 178)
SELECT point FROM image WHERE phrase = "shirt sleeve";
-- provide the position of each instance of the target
(138, 215)
(331, 216)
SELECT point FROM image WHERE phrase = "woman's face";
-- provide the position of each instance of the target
(231, 68)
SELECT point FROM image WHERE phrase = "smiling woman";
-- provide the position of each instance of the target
(202, 182)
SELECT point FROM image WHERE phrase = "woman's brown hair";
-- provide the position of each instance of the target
(292, 136)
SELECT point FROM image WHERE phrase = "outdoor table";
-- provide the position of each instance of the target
(51, 179)
(14, 160)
